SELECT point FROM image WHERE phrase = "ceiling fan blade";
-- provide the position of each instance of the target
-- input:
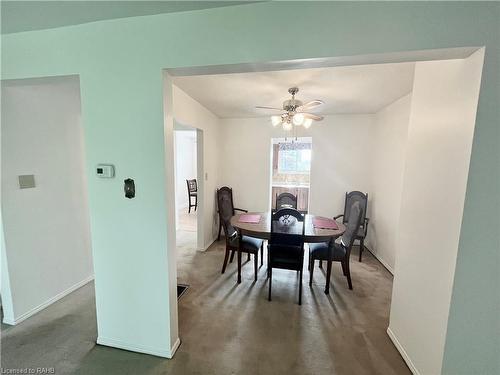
(309, 105)
(273, 108)
(313, 117)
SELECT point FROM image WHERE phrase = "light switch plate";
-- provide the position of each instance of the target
(26, 181)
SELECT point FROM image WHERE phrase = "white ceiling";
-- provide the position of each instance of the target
(348, 89)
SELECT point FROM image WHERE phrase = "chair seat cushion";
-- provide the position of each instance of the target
(248, 243)
(320, 251)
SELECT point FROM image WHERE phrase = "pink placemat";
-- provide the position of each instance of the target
(253, 219)
(324, 223)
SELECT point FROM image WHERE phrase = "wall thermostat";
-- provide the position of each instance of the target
(105, 170)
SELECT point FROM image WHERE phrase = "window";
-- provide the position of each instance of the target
(295, 160)
(291, 165)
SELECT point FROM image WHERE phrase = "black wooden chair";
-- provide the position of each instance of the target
(337, 252)
(227, 193)
(286, 244)
(192, 188)
(362, 199)
(285, 200)
(249, 245)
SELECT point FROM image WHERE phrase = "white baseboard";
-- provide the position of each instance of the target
(174, 348)
(164, 353)
(209, 244)
(384, 263)
(50, 301)
(381, 260)
(402, 351)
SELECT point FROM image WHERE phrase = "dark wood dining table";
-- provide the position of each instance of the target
(262, 230)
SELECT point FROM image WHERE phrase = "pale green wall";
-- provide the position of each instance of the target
(36, 15)
(119, 63)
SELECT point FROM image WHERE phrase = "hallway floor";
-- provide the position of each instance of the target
(187, 222)
(230, 329)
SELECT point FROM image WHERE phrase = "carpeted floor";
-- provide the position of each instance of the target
(187, 221)
(230, 329)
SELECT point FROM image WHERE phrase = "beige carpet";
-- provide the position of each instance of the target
(227, 328)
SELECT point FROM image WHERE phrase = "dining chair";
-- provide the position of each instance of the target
(285, 200)
(226, 193)
(362, 199)
(286, 244)
(192, 189)
(337, 252)
(234, 241)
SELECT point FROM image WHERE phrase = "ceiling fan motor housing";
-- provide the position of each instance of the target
(291, 105)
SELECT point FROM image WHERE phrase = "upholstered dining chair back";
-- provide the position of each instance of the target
(286, 200)
(226, 210)
(287, 228)
(350, 199)
(352, 226)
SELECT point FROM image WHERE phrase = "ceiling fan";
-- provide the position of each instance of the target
(294, 112)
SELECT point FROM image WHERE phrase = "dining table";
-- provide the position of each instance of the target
(258, 225)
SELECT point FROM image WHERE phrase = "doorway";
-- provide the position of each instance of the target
(291, 169)
(328, 195)
(188, 199)
(44, 192)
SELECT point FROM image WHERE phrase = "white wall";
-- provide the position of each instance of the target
(185, 165)
(441, 127)
(350, 152)
(339, 161)
(7, 305)
(47, 234)
(245, 160)
(387, 161)
(189, 112)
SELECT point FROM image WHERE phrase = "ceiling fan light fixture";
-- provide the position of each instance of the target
(275, 120)
(294, 112)
(298, 119)
(307, 123)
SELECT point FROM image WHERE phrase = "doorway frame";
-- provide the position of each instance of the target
(8, 299)
(271, 170)
(426, 55)
(200, 172)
